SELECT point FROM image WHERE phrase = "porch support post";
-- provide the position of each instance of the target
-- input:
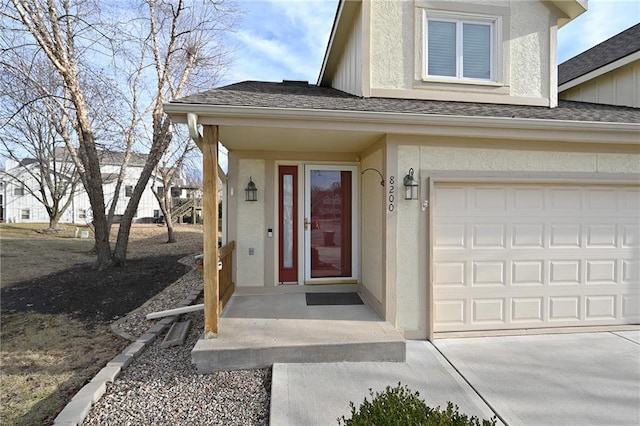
(210, 213)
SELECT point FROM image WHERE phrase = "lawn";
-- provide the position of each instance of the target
(56, 310)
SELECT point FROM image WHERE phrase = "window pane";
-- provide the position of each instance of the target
(476, 51)
(441, 48)
(287, 221)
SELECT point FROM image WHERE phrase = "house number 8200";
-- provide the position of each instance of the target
(392, 195)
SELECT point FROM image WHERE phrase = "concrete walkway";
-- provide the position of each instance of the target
(561, 379)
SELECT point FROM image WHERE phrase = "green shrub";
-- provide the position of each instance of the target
(398, 406)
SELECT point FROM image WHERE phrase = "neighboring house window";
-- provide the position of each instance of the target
(128, 191)
(82, 213)
(18, 190)
(160, 191)
(156, 213)
(175, 192)
(25, 214)
(461, 48)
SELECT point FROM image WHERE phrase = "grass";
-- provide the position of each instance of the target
(46, 358)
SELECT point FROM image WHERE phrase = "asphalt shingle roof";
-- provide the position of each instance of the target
(305, 96)
(617, 47)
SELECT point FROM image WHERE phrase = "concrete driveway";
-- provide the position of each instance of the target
(561, 379)
(557, 379)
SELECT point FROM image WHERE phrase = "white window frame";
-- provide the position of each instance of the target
(82, 213)
(19, 190)
(494, 22)
(25, 214)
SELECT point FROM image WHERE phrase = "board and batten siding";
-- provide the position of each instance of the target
(619, 87)
(348, 74)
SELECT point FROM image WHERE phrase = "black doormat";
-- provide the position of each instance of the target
(314, 299)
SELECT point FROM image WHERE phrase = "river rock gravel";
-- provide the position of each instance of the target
(162, 387)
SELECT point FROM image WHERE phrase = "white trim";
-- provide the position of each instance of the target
(530, 129)
(599, 71)
(459, 19)
(355, 221)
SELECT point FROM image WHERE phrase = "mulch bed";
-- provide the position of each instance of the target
(94, 297)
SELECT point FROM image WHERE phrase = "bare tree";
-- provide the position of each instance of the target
(177, 48)
(185, 42)
(57, 28)
(46, 172)
(170, 171)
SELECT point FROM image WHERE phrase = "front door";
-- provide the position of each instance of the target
(330, 231)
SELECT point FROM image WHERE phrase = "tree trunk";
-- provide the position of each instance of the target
(171, 238)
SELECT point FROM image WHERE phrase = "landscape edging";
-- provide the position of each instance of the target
(78, 408)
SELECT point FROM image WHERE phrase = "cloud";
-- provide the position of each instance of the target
(282, 39)
(603, 20)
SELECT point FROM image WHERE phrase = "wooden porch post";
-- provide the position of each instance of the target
(210, 217)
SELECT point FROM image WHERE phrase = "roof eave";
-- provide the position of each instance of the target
(571, 9)
(415, 124)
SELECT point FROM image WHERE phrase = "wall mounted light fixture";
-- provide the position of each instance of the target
(251, 191)
(410, 187)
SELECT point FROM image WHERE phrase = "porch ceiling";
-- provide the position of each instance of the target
(295, 139)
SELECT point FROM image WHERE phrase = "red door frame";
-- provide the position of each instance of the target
(287, 274)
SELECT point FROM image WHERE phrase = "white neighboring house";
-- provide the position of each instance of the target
(18, 205)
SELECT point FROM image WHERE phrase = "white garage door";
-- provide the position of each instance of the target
(524, 256)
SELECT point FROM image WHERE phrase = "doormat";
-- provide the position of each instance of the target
(314, 299)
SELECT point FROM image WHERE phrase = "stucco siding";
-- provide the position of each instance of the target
(371, 223)
(412, 291)
(392, 29)
(348, 74)
(250, 225)
(524, 43)
(618, 87)
(508, 160)
(530, 49)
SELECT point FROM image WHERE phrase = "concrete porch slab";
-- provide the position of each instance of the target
(260, 330)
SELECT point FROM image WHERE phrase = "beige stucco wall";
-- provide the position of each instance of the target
(527, 48)
(371, 226)
(433, 155)
(250, 232)
(618, 87)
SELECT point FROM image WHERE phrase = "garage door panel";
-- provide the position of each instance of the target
(630, 235)
(602, 235)
(550, 255)
(528, 199)
(601, 271)
(564, 308)
(527, 272)
(488, 311)
(565, 235)
(601, 307)
(527, 309)
(527, 236)
(489, 235)
(488, 273)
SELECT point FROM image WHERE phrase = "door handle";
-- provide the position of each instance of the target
(306, 223)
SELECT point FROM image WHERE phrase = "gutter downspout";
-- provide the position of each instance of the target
(192, 122)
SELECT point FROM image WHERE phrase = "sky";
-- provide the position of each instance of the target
(286, 39)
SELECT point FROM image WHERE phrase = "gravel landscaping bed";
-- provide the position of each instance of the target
(162, 387)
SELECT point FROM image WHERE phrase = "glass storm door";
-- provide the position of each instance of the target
(288, 218)
(329, 224)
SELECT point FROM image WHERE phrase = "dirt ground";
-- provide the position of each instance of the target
(56, 310)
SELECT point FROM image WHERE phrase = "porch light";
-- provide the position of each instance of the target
(251, 191)
(410, 187)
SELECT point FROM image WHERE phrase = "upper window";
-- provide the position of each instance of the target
(128, 191)
(460, 48)
(18, 190)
